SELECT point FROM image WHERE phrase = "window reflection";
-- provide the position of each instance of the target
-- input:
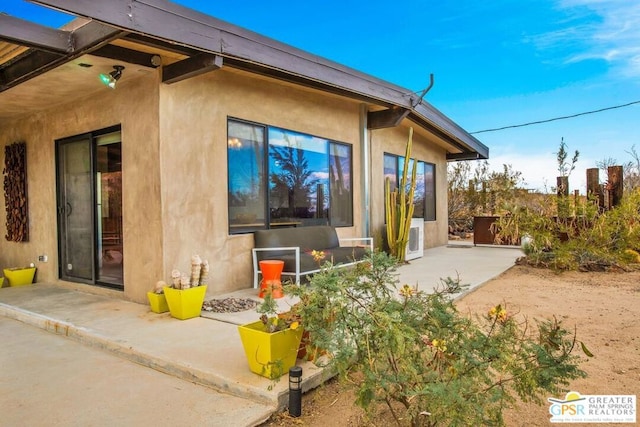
(430, 192)
(341, 207)
(281, 178)
(298, 178)
(245, 147)
(425, 195)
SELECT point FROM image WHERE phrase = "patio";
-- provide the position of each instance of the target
(202, 350)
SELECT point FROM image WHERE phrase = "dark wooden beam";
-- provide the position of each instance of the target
(128, 55)
(186, 27)
(94, 34)
(456, 157)
(29, 34)
(160, 44)
(190, 67)
(37, 61)
(26, 33)
(27, 66)
(160, 18)
(388, 118)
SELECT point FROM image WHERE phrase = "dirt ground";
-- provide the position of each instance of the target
(605, 308)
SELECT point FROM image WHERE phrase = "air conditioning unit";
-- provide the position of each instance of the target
(415, 245)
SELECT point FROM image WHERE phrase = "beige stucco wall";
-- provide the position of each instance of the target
(193, 132)
(134, 106)
(174, 170)
(393, 141)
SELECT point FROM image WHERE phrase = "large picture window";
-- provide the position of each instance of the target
(282, 178)
(424, 197)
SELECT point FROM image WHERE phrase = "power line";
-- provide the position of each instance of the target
(557, 118)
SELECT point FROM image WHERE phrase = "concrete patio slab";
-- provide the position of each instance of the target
(207, 350)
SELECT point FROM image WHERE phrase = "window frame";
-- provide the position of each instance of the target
(427, 214)
(266, 183)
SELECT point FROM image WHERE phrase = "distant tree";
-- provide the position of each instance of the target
(294, 183)
(565, 168)
(459, 192)
(631, 169)
(474, 191)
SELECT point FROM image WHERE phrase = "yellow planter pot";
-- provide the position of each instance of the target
(19, 276)
(158, 302)
(269, 354)
(187, 303)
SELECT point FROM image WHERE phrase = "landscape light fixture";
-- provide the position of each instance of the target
(111, 78)
(295, 391)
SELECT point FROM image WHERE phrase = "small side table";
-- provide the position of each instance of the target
(271, 278)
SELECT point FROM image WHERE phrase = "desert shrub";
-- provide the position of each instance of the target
(479, 191)
(430, 364)
(589, 240)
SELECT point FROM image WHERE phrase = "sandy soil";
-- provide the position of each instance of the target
(605, 308)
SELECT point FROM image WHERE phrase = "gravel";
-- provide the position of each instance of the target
(229, 305)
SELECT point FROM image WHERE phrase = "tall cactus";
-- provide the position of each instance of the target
(399, 206)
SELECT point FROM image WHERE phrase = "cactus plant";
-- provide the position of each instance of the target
(399, 206)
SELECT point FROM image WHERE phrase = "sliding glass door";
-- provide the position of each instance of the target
(90, 208)
(75, 209)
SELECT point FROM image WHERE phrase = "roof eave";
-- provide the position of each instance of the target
(251, 51)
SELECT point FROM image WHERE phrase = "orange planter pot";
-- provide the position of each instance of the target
(271, 278)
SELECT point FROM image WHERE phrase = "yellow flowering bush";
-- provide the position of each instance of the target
(272, 321)
(417, 354)
(318, 256)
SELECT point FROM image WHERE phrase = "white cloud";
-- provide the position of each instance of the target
(608, 30)
(540, 170)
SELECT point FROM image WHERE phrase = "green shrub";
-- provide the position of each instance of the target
(417, 354)
(589, 240)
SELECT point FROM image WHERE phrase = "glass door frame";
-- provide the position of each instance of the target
(91, 139)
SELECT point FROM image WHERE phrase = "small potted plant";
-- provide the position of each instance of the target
(271, 344)
(20, 276)
(157, 299)
(186, 295)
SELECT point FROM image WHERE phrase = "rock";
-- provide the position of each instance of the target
(229, 305)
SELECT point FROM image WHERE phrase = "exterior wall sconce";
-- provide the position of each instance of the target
(111, 78)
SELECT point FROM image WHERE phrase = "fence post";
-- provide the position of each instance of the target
(615, 185)
(594, 190)
(562, 190)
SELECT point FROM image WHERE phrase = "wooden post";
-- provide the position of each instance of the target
(615, 185)
(562, 190)
(562, 186)
(594, 191)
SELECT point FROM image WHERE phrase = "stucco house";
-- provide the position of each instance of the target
(211, 132)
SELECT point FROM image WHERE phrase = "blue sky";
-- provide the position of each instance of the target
(496, 63)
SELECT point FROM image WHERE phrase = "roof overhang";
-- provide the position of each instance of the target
(206, 43)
